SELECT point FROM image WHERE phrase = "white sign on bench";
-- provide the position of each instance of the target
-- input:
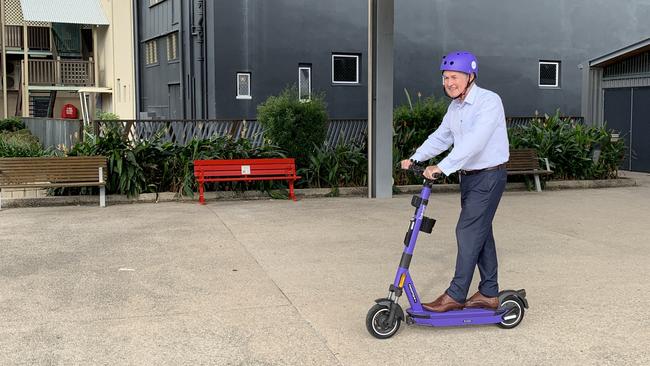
(245, 169)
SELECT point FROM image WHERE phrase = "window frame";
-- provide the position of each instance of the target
(557, 74)
(300, 68)
(151, 53)
(169, 37)
(244, 96)
(348, 55)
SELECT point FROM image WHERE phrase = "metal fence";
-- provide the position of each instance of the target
(56, 133)
(340, 131)
(60, 132)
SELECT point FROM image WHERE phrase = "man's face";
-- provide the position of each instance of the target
(454, 82)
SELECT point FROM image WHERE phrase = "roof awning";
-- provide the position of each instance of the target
(95, 89)
(617, 55)
(64, 11)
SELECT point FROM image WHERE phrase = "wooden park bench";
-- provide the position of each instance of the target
(526, 162)
(245, 170)
(50, 172)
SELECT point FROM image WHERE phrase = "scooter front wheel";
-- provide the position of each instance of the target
(378, 324)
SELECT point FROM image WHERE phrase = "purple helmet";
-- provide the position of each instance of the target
(462, 61)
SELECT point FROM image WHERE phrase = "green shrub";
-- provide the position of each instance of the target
(106, 116)
(180, 166)
(570, 147)
(412, 124)
(343, 166)
(295, 126)
(20, 144)
(12, 124)
(155, 166)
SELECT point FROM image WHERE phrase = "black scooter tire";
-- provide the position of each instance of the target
(376, 319)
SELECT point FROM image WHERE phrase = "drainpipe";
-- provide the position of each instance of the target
(198, 31)
(25, 71)
(136, 47)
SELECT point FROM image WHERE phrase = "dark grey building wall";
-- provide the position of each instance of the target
(155, 23)
(270, 38)
(510, 37)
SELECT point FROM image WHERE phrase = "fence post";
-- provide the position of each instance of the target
(57, 71)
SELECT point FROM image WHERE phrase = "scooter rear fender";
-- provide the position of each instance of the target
(520, 294)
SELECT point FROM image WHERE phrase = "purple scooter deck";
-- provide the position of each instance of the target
(456, 317)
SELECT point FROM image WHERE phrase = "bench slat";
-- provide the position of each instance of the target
(49, 185)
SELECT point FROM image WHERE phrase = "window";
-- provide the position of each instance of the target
(151, 52)
(304, 82)
(549, 74)
(345, 69)
(244, 85)
(172, 46)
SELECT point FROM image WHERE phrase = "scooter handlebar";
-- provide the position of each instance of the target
(418, 168)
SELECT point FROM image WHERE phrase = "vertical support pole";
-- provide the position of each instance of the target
(538, 184)
(102, 189)
(380, 98)
(58, 69)
(4, 59)
(25, 71)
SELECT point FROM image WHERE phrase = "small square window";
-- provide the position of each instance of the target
(345, 69)
(151, 52)
(304, 82)
(172, 46)
(549, 74)
(244, 85)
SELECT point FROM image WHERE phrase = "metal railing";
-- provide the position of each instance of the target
(38, 38)
(61, 72)
(340, 131)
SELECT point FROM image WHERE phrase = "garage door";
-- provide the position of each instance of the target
(618, 116)
(627, 110)
(640, 129)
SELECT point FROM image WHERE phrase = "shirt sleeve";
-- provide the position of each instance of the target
(440, 140)
(487, 119)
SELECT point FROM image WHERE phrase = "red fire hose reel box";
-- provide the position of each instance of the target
(69, 111)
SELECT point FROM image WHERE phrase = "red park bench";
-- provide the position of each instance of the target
(245, 170)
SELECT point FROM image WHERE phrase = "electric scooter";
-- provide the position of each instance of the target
(384, 318)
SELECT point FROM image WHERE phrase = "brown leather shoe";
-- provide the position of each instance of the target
(479, 301)
(443, 303)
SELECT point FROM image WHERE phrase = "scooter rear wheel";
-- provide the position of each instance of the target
(377, 322)
(515, 312)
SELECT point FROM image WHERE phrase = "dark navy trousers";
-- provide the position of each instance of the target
(479, 199)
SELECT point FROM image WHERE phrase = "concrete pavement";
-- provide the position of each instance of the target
(289, 283)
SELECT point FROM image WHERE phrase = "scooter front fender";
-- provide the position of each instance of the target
(399, 313)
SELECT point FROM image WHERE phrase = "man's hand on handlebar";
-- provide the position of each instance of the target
(406, 164)
(431, 172)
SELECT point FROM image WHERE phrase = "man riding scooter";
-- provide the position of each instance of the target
(475, 125)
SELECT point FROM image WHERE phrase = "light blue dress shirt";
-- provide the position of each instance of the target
(477, 129)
